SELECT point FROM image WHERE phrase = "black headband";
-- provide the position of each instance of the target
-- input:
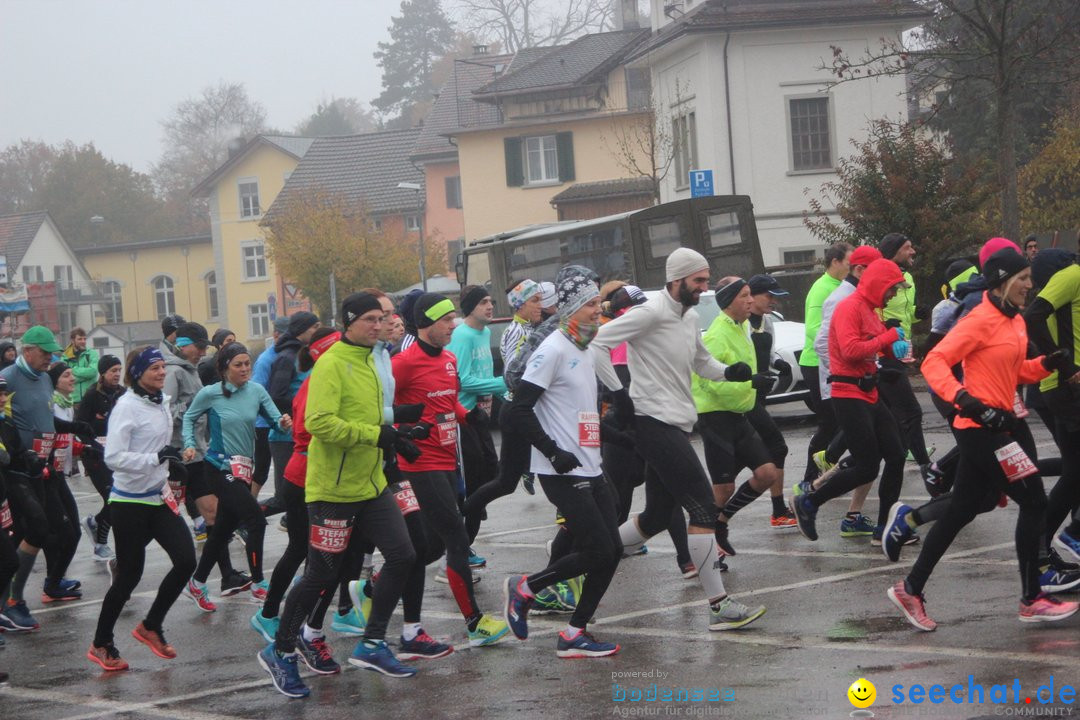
(727, 294)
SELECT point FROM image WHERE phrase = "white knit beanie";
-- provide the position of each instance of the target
(684, 262)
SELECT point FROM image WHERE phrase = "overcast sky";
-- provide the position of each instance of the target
(109, 71)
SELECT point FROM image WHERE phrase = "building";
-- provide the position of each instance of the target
(121, 338)
(249, 290)
(741, 89)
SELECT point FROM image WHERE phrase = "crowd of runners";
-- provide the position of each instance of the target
(379, 435)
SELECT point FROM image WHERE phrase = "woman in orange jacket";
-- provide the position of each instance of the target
(997, 449)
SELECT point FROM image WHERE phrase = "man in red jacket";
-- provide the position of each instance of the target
(425, 373)
(856, 337)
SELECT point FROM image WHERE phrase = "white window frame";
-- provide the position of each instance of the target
(259, 319)
(546, 159)
(32, 274)
(166, 292)
(830, 135)
(257, 257)
(213, 295)
(412, 223)
(114, 301)
(684, 146)
(248, 210)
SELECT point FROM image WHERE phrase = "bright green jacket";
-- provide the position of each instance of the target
(729, 343)
(815, 299)
(84, 368)
(343, 414)
(902, 306)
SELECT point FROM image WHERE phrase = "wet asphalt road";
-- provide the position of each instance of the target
(828, 624)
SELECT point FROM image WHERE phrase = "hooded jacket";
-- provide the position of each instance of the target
(138, 428)
(821, 343)
(96, 405)
(4, 347)
(83, 366)
(182, 384)
(284, 379)
(857, 334)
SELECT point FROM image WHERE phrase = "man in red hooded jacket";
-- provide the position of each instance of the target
(856, 337)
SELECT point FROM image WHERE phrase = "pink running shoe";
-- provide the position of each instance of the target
(1046, 608)
(912, 606)
(198, 593)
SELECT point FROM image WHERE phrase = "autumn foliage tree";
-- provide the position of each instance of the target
(1048, 184)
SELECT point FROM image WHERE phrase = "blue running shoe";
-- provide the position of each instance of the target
(351, 623)
(476, 561)
(266, 627)
(566, 595)
(805, 512)
(897, 532)
(1070, 543)
(283, 672)
(860, 526)
(16, 617)
(360, 598)
(546, 602)
(61, 590)
(516, 607)
(583, 645)
(376, 655)
(423, 647)
(316, 655)
(1055, 581)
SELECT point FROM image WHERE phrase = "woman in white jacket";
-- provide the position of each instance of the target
(143, 507)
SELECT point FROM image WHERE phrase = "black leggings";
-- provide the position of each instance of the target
(480, 465)
(101, 477)
(899, 396)
(979, 484)
(63, 515)
(236, 507)
(261, 469)
(9, 562)
(1064, 497)
(827, 426)
(134, 526)
(280, 453)
(377, 520)
(588, 504)
(435, 490)
(428, 547)
(872, 436)
(769, 433)
(674, 478)
(515, 453)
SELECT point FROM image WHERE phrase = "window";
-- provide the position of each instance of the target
(254, 262)
(722, 229)
(100, 343)
(249, 198)
(539, 160)
(164, 297)
(377, 222)
(32, 274)
(412, 223)
(259, 320)
(65, 279)
(792, 257)
(114, 307)
(811, 141)
(684, 147)
(453, 192)
(211, 294)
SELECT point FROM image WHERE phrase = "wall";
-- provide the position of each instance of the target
(47, 250)
(440, 222)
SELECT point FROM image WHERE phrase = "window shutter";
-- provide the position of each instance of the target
(564, 146)
(515, 171)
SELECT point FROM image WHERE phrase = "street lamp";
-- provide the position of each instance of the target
(420, 223)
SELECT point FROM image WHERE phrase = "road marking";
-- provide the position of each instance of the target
(105, 708)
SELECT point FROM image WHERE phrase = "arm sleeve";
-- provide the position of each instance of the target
(172, 389)
(84, 411)
(470, 381)
(86, 373)
(850, 342)
(117, 454)
(280, 382)
(523, 418)
(198, 407)
(1032, 371)
(706, 365)
(1037, 326)
(610, 336)
(321, 417)
(938, 363)
(268, 410)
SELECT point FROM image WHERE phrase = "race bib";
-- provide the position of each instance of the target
(5, 515)
(446, 428)
(588, 429)
(1019, 409)
(1014, 462)
(406, 498)
(62, 441)
(43, 445)
(333, 537)
(170, 498)
(484, 404)
(241, 468)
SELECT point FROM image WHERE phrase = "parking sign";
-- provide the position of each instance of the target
(701, 183)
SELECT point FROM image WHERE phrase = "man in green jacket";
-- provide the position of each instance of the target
(83, 363)
(347, 499)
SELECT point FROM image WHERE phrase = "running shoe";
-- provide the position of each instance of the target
(476, 561)
(283, 524)
(913, 607)
(316, 655)
(60, 591)
(266, 627)
(567, 593)
(488, 632)
(377, 655)
(199, 530)
(154, 640)
(930, 450)
(528, 481)
(235, 582)
(1070, 543)
(516, 606)
(422, 647)
(859, 526)
(351, 623)
(933, 480)
(16, 617)
(720, 530)
(103, 553)
(583, 645)
(201, 596)
(440, 577)
(1059, 563)
(897, 531)
(1045, 608)
(822, 463)
(283, 672)
(731, 614)
(689, 572)
(66, 584)
(546, 602)
(107, 657)
(259, 590)
(805, 512)
(786, 521)
(1055, 581)
(360, 599)
(879, 533)
(90, 525)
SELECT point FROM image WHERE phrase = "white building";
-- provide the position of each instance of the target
(739, 87)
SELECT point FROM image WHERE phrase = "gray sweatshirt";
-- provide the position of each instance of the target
(821, 342)
(182, 384)
(31, 401)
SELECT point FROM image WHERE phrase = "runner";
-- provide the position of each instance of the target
(10, 449)
(96, 405)
(525, 299)
(556, 406)
(208, 372)
(83, 363)
(58, 493)
(144, 508)
(663, 348)
(997, 447)
(405, 309)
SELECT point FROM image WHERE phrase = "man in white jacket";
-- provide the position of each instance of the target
(663, 347)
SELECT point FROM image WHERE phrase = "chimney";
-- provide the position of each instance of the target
(479, 50)
(626, 15)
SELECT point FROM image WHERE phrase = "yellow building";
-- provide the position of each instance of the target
(250, 291)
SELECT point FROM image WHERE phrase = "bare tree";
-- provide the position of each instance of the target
(518, 24)
(644, 145)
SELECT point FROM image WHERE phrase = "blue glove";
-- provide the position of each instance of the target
(899, 333)
(900, 348)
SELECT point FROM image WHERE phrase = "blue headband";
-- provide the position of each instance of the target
(143, 361)
(183, 342)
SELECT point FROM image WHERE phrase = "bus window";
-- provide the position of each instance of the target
(537, 261)
(602, 251)
(478, 268)
(664, 236)
(722, 229)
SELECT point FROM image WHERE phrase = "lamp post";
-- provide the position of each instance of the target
(420, 225)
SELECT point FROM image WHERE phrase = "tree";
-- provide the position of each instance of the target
(338, 116)
(900, 181)
(988, 52)
(1048, 183)
(418, 38)
(23, 169)
(318, 233)
(519, 24)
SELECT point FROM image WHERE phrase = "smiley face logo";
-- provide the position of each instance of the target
(862, 693)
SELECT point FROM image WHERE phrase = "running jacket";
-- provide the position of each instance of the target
(182, 384)
(344, 413)
(821, 342)
(433, 381)
(472, 348)
(857, 334)
(902, 306)
(138, 428)
(84, 368)
(729, 343)
(815, 299)
(663, 348)
(296, 470)
(231, 420)
(992, 348)
(515, 335)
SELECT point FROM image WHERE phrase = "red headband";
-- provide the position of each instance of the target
(323, 344)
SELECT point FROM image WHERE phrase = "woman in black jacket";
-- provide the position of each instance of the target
(94, 409)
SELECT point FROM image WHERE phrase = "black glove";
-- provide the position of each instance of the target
(407, 449)
(477, 417)
(782, 366)
(563, 461)
(623, 408)
(388, 435)
(34, 464)
(177, 472)
(892, 323)
(408, 413)
(739, 372)
(763, 382)
(989, 417)
(84, 431)
(420, 431)
(1058, 361)
(169, 453)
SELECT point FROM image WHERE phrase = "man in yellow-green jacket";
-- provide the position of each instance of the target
(348, 501)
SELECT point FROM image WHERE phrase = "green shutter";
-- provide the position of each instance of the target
(564, 145)
(515, 171)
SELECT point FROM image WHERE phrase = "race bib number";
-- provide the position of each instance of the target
(588, 429)
(43, 445)
(170, 498)
(1019, 409)
(241, 468)
(406, 498)
(446, 428)
(1014, 462)
(62, 441)
(333, 537)
(484, 404)
(5, 515)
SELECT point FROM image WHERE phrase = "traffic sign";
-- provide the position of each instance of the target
(701, 184)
